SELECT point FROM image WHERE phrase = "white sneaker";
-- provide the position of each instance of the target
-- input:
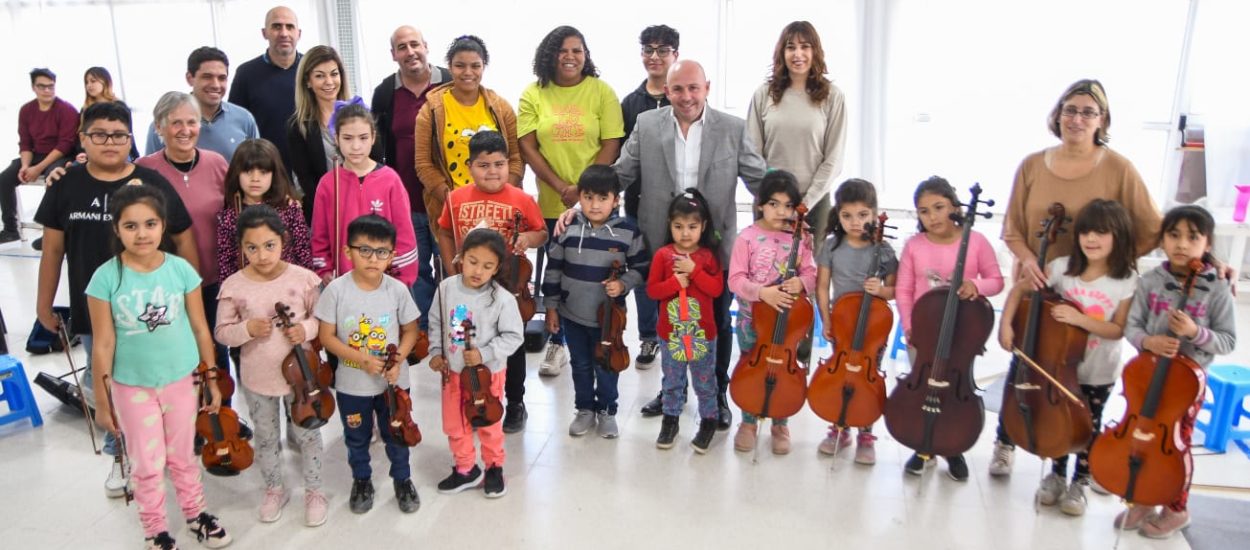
(556, 358)
(115, 485)
(1073, 501)
(1053, 486)
(1004, 454)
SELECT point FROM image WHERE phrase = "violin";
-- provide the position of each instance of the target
(399, 405)
(611, 352)
(1037, 414)
(421, 349)
(934, 409)
(122, 458)
(481, 408)
(224, 452)
(848, 390)
(1137, 457)
(519, 273)
(310, 378)
(769, 382)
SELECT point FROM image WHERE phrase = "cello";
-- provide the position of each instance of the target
(224, 453)
(848, 389)
(769, 382)
(399, 405)
(312, 405)
(519, 273)
(611, 353)
(481, 408)
(1037, 415)
(934, 409)
(1137, 457)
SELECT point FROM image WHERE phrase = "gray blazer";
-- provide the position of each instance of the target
(727, 153)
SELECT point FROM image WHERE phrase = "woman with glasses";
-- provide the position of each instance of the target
(1078, 170)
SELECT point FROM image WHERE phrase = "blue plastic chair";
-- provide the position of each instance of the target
(1229, 386)
(15, 390)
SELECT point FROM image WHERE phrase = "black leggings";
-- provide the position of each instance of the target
(1096, 397)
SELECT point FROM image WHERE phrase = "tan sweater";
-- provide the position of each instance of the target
(1036, 188)
(800, 137)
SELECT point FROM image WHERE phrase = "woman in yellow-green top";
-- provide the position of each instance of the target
(568, 120)
(453, 113)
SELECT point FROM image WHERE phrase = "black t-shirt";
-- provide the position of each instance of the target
(77, 205)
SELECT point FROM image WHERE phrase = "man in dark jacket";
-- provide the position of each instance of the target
(265, 86)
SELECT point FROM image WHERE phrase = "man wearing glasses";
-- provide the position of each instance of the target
(659, 50)
(47, 127)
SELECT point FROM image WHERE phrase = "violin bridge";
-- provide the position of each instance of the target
(773, 360)
(223, 451)
(605, 343)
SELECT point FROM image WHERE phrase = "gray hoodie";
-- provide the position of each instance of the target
(498, 330)
(1211, 309)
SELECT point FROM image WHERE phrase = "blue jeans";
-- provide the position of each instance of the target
(427, 247)
(358, 414)
(594, 387)
(110, 442)
(648, 312)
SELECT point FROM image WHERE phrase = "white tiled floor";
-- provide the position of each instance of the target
(565, 492)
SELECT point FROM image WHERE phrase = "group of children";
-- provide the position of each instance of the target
(145, 302)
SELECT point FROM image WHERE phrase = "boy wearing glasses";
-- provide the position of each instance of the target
(361, 313)
(46, 129)
(77, 228)
(493, 203)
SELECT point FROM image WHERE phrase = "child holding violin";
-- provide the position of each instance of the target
(245, 318)
(474, 297)
(842, 264)
(1205, 328)
(492, 202)
(759, 254)
(1100, 276)
(577, 282)
(928, 261)
(361, 313)
(149, 335)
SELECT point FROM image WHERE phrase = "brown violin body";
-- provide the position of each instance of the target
(519, 273)
(310, 378)
(611, 352)
(848, 390)
(224, 452)
(481, 407)
(1036, 415)
(399, 406)
(421, 349)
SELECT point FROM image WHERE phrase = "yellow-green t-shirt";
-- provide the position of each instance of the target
(461, 123)
(570, 123)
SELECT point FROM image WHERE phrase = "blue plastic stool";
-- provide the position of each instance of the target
(819, 330)
(16, 391)
(1229, 385)
(898, 341)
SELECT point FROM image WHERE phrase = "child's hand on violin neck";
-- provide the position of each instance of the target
(369, 363)
(472, 357)
(613, 288)
(295, 334)
(259, 327)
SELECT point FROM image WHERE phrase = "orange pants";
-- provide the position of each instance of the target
(460, 433)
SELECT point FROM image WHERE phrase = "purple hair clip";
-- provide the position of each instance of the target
(338, 105)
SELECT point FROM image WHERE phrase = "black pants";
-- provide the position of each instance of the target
(514, 378)
(724, 334)
(8, 191)
(209, 294)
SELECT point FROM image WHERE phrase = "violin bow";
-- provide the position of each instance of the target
(122, 456)
(337, 237)
(63, 333)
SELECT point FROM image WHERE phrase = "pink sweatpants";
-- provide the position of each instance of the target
(460, 433)
(159, 426)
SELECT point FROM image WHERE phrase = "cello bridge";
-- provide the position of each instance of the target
(941, 384)
(774, 360)
(854, 368)
(605, 343)
(1027, 386)
(1143, 436)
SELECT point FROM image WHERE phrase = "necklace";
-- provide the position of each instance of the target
(178, 166)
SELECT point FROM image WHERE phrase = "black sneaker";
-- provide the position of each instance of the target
(724, 417)
(668, 431)
(915, 465)
(647, 351)
(703, 438)
(362, 496)
(494, 482)
(457, 481)
(162, 541)
(199, 443)
(37, 244)
(208, 531)
(245, 431)
(9, 236)
(957, 467)
(514, 418)
(654, 407)
(406, 494)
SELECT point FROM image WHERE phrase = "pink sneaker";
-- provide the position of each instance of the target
(272, 503)
(781, 439)
(837, 439)
(315, 506)
(1165, 524)
(744, 440)
(865, 453)
(1133, 518)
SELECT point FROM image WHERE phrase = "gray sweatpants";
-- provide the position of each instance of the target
(265, 419)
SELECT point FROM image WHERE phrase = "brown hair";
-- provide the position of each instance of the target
(306, 112)
(106, 91)
(1093, 89)
(1104, 216)
(259, 154)
(818, 87)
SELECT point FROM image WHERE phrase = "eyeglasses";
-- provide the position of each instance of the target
(369, 252)
(1087, 114)
(662, 51)
(45, 87)
(100, 138)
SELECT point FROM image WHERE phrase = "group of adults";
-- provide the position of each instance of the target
(661, 139)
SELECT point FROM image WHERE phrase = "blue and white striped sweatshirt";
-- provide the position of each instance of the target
(580, 259)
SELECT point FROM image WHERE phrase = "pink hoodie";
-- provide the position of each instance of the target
(380, 193)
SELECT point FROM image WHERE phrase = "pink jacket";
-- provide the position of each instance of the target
(380, 193)
(925, 265)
